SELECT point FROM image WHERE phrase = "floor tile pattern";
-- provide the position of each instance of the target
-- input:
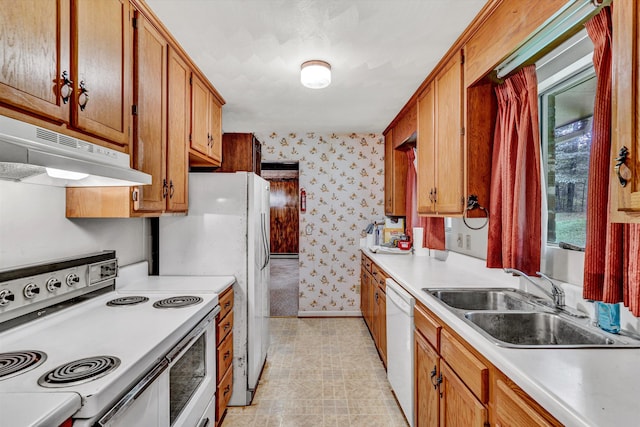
(320, 372)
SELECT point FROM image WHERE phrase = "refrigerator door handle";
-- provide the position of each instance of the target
(264, 239)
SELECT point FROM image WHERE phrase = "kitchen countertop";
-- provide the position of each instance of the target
(37, 409)
(580, 387)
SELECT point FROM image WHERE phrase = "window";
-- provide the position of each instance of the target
(566, 110)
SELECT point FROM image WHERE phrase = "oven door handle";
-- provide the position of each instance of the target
(134, 393)
(195, 333)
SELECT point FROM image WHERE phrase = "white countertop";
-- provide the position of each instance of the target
(37, 409)
(580, 387)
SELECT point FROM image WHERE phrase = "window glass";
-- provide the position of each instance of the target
(566, 110)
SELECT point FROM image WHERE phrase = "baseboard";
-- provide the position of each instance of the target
(335, 313)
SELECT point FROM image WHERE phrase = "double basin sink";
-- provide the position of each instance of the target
(513, 318)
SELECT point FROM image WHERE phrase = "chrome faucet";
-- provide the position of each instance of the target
(556, 294)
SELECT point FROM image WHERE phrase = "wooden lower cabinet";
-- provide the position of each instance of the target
(427, 399)
(224, 354)
(373, 304)
(456, 386)
(458, 405)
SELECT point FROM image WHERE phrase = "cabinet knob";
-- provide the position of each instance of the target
(83, 97)
(66, 88)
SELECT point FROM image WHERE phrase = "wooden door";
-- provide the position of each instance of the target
(35, 43)
(381, 327)
(284, 216)
(102, 47)
(427, 370)
(458, 406)
(513, 410)
(449, 169)
(178, 99)
(625, 201)
(200, 135)
(150, 137)
(425, 179)
(215, 129)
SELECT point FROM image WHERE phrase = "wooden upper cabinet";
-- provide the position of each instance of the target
(206, 125)
(242, 152)
(440, 143)
(625, 200)
(150, 119)
(395, 177)
(101, 73)
(178, 109)
(426, 151)
(36, 53)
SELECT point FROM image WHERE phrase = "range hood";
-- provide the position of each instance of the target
(35, 155)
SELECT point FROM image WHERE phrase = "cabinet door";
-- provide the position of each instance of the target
(215, 129)
(625, 201)
(427, 365)
(449, 166)
(200, 134)
(178, 92)
(513, 410)
(382, 324)
(426, 185)
(101, 46)
(149, 148)
(458, 406)
(395, 178)
(35, 50)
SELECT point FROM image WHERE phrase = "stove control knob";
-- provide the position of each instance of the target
(6, 296)
(31, 290)
(53, 284)
(72, 279)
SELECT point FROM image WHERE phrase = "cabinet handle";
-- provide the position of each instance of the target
(171, 189)
(67, 87)
(83, 97)
(438, 380)
(435, 195)
(226, 355)
(227, 326)
(227, 389)
(227, 304)
(622, 170)
(165, 188)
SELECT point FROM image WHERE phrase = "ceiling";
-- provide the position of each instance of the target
(251, 50)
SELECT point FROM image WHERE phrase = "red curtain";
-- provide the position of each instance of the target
(515, 202)
(611, 270)
(433, 228)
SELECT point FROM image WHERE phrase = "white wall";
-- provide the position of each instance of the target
(33, 228)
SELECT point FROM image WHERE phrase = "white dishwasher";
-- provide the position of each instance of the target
(400, 364)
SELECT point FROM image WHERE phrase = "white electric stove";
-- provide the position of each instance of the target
(112, 348)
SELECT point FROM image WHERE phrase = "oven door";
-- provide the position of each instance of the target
(177, 391)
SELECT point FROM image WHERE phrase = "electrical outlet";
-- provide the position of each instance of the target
(468, 242)
(459, 240)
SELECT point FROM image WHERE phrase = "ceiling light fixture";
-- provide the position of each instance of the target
(315, 74)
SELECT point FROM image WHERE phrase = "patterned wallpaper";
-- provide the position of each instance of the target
(343, 175)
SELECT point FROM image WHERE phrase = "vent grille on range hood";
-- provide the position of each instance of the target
(39, 156)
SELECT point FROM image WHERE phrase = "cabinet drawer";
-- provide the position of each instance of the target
(223, 393)
(379, 277)
(427, 326)
(224, 327)
(513, 409)
(468, 367)
(226, 302)
(366, 263)
(224, 355)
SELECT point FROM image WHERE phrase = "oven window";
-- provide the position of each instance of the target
(185, 377)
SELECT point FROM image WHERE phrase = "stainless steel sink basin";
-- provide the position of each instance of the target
(483, 299)
(514, 318)
(537, 329)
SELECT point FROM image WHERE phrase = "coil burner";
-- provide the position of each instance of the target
(124, 301)
(177, 302)
(18, 362)
(79, 371)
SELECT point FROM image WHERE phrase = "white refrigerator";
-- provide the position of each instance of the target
(226, 232)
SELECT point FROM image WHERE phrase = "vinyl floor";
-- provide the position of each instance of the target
(320, 372)
(283, 287)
